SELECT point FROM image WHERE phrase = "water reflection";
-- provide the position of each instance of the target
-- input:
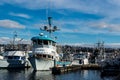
(46, 75)
(12, 74)
(41, 75)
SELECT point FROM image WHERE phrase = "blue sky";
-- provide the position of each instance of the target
(80, 21)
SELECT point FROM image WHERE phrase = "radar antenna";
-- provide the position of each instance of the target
(49, 28)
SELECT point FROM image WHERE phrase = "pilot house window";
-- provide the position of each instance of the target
(40, 42)
(45, 42)
(44, 56)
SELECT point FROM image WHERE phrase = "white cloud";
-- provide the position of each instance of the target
(59, 4)
(31, 4)
(79, 44)
(106, 45)
(7, 40)
(107, 26)
(10, 24)
(94, 6)
(4, 40)
(108, 8)
(20, 15)
(22, 41)
(112, 45)
(91, 27)
(115, 2)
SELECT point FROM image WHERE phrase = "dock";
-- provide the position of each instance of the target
(65, 69)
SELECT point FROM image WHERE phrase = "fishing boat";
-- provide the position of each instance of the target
(44, 52)
(80, 58)
(14, 57)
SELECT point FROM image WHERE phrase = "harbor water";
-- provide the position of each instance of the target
(29, 74)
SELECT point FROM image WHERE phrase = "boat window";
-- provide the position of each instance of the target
(53, 43)
(16, 57)
(23, 58)
(49, 56)
(40, 42)
(44, 56)
(10, 57)
(52, 57)
(34, 42)
(40, 55)
(45, 42)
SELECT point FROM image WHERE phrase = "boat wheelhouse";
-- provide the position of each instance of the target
(44, 47)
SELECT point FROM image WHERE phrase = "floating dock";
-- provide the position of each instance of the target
(64, 69)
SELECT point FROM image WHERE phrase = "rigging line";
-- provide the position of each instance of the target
(48, 9)
(46, 12)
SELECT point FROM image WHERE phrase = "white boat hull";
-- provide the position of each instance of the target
(4, 63)
(46, 64)
(41, 64)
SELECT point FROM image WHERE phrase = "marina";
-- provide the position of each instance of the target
(44, 57)
(73, 62)
(79, 63)
(59, 40)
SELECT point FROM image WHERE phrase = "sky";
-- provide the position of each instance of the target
(79, 21)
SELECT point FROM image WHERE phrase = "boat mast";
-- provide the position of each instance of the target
(101, 51)
(49, 28)
(14, 37)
